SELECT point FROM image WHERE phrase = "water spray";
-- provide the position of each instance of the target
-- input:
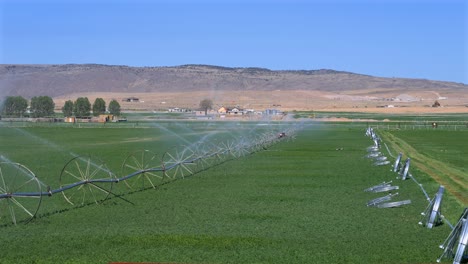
(85, 180)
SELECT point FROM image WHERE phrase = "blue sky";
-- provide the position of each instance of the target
(389, 38)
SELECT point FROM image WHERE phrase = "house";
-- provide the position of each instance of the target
(235, 111)
(223, 110)
(174, 110)
(178, 110)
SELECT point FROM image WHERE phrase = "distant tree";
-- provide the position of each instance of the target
(436, 104)
(99, 107)
(42, 106)
(82, 107)
(114, 108)
(67, 108)
(206, 104)
(15, 106)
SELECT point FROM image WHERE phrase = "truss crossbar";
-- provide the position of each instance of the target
(457, 238)
(394, 204)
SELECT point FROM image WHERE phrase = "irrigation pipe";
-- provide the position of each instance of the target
(174, 163)
(390, 153)
(419, 184)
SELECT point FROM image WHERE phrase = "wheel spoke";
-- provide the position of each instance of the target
(16, 178)
(151, 182)
(74, 176)
(21, 206)
(85, 191)
(12, 212)
(137, 163)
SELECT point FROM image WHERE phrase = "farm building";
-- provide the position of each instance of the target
(105, 118)
(178, 110)
(69, 119)
(223, 110)
(235, 111)
(273, 112)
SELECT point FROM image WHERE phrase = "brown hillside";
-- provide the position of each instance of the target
(184, 86)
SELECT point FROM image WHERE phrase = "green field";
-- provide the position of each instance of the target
(299, 201)
(450, 117)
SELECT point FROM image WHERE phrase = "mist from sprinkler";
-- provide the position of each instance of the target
(55, 146)
(24, 172)
(251, 144)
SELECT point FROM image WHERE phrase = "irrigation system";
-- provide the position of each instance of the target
(85, 180)
(455, 246)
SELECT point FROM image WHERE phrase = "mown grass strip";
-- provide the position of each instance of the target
(454, 180)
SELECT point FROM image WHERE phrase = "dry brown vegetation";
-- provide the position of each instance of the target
(184, 86)
(284, 100)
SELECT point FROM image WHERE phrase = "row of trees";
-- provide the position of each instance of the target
(82, 107)
(43, 106)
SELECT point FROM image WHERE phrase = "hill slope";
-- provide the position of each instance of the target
(62, 81)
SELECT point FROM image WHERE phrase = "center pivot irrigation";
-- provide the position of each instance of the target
(455, 246)
(84, 179)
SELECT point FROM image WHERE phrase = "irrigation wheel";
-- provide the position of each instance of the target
(229, 148)
(242, 147)
(178, 162)
(204, 156)
(198, 157)
(20, 193)
(145, 168)
(84, 181)
(258, 144)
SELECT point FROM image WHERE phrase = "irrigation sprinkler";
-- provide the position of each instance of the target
(20, 193)
(203, 153)
(462, 245)
(242, 147)
(83, 181)
(385, 189)
(226, 151)
(458, 239)
(455, 246)
(404, 172)
(380, 158)
(179, 162)
(432, 216)
(218, 154)
(396, 165)
(379, 200)
(372, 149)
(145, 165)
(377, 142)
(384, 184)
(373, 155)
(381, 163)
(229, 148)
(257, 144)
(393, 204)
(370, 133)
